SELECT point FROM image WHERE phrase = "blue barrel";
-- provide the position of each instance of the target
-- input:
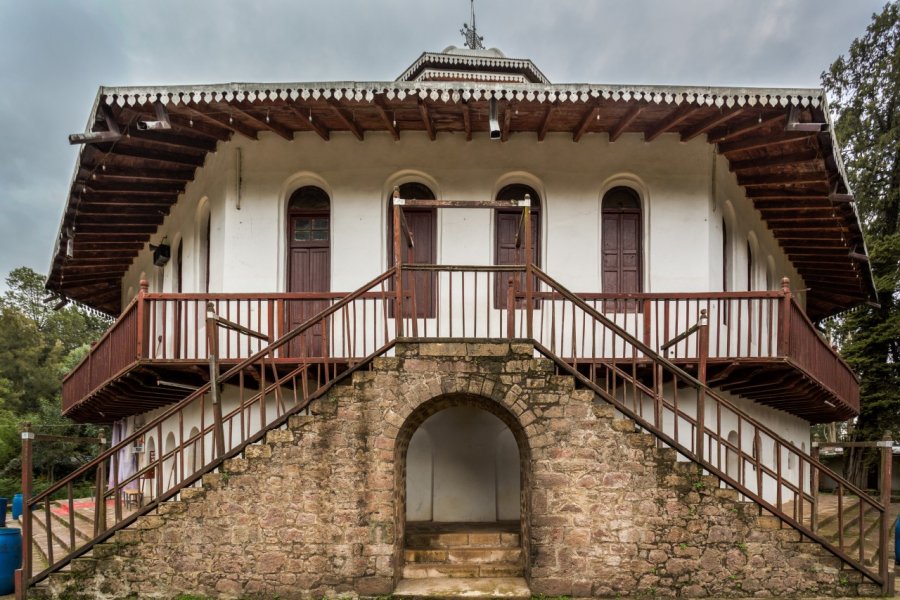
(3, 512)
(10, 558)
(897, 542)
(17, 506)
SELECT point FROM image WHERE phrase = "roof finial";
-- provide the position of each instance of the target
(473, 40)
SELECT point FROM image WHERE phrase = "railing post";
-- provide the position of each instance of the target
(24, 578)
(529, 273)
(885, 535)
(511, 308)
(784, 321)
(702, 355)
(212, 340)
(100, 491)
(814, 487)
(143, 322)
(398, 284)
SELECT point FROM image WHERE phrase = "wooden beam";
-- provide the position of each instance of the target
(782, 179)
(111, 237)
(127, 219)
(113, 228)
(545, 123)
(268, 122)
(426, 119)
(715, 121)
(91, 137)
(388, 122)
(92, 198)
(467, 120)
(671, 120)
(619, 128)
(762, 141)
(745, 128)
(346, 118)
(806, 157)
(222, 119)
(586, 121)
(837, 198)
(122, 185)
(203, 126)
(796, 195)
(123, 149)
(311, 122)
(90, 169)
(174, 140)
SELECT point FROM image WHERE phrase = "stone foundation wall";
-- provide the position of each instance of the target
(317, 510)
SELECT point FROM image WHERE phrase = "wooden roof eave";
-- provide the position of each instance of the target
(441, 96)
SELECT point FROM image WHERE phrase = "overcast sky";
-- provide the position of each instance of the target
(54, 54)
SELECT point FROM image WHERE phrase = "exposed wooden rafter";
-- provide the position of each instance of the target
(677, 116)
(545, 123)
(312, 122)
(426, 119)
(745, 128)
(223, 119)
(632, 114)
(467, 120)
(586, 121)
(346, 118)
(810, 157)
(389, 123)
(268, 122)
(710, 123)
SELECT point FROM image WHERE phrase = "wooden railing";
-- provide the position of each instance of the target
(676, 407)
(742, 325)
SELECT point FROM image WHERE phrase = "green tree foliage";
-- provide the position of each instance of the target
(864, 91)
(38, 345)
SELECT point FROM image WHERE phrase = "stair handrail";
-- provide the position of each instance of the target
(112, 452)
(879, 578)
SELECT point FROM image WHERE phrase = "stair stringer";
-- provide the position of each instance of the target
(312, 510)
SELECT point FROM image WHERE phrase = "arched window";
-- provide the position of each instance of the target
(308, 263)
(204, 226)
(422, 223)
(621, 245)
(507, 228)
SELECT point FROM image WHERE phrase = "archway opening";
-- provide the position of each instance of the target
(462, 477)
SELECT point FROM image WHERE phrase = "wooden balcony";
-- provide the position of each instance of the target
(761, 345)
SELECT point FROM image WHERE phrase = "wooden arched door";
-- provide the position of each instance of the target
(422, 224)
(621, 246)
(308, 264)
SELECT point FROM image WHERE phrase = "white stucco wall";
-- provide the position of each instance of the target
(682, 209)
(462, 465)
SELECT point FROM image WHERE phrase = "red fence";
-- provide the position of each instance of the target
(742, 325)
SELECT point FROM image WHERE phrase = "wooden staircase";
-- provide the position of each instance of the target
(432, 557)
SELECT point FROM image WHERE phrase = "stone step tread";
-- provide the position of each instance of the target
(460, 539)
(447, 587)
(461, 570)
(463, 555)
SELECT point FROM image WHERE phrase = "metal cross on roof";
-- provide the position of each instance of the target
(473, 40)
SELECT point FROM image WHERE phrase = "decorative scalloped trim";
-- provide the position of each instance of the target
(474, 61)
(454, 92)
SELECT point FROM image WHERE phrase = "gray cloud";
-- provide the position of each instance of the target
(54, 55)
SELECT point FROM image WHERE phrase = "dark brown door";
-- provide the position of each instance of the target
(419, 287)
(506, 228)
(621, 247)
(309, 266)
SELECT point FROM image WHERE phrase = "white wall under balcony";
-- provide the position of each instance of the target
(681, 223)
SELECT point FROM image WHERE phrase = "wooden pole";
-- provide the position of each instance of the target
(398, 275)
(212, 340)
(702, 357)
(885, 535)
(529, 278)
(784, 322)
(511, 308)
(143, 322)
(100, 494)
(814, 487)
(24, 577)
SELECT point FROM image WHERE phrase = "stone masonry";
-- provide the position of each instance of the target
(317, 509)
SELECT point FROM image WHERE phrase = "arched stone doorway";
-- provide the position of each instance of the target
(462, 469)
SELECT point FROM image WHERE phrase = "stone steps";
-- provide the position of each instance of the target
(462, 551)
(447, 587)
